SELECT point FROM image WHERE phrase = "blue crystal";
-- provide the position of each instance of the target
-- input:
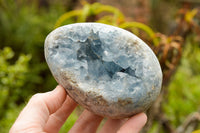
(107, 70)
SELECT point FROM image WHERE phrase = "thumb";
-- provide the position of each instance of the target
(36, 113)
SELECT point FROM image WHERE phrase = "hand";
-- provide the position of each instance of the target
(47, 112)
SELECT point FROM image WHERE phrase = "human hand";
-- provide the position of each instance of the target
(47, 112)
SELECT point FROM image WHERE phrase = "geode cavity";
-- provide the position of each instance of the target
(107, 70)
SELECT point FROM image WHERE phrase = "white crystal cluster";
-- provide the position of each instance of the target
(101, 65)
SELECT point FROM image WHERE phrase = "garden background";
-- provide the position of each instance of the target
(170, 27)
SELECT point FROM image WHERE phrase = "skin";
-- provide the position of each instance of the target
(47, 112)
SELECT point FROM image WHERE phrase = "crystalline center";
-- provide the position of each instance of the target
(91, 50)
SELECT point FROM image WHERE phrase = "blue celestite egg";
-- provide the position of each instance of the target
(107, 70)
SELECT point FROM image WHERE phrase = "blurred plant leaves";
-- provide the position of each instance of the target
(116, 18)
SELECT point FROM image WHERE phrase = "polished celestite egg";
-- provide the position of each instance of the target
(107, 70)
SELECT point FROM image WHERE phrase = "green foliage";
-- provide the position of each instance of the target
(13, 91)
(69, 123)
(154, 128)
(9, 118)
(108, 15)
(143, 27)
(12, 82)
(92, 10)
(183, 97)
(24, 26)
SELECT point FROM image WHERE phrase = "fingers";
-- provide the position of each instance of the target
(112, 125)
(134, 124)
(87, 123)
(38, 109)
(48, 111)
(57, 119)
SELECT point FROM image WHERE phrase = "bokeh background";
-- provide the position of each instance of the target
(170, 27)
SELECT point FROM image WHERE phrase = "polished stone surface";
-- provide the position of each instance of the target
(107, 70)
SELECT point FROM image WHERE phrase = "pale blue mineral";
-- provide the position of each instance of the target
(107, 70)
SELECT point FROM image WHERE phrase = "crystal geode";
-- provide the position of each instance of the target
(107, 70)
